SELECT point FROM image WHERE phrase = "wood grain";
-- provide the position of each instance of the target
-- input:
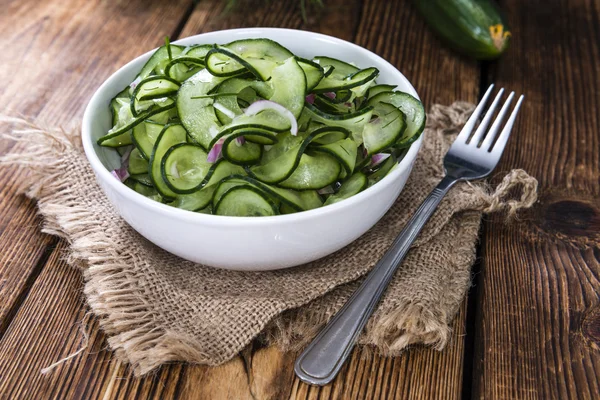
(55, 54)
(538, 314)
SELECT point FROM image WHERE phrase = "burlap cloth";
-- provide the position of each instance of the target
(157, 308)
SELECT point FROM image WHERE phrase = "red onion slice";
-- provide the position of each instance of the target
(262, 105)
(331, 95)
(122, 172)
(135, 82)
(310, 98)
(378, 158)
(215, 152)
(240, 140)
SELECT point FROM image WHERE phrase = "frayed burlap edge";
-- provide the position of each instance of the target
(115, 298)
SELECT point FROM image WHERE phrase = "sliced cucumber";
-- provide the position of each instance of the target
(313, 72)
(247, 153)
(383, 170)
(375, 90)
(144, 178)
(196, 112)
(385, 130)
(184, 168)
(412, 109)
(182, 68)
(245, 201)
(144, 136)
(334, 84)
(354, 122)
(171, 135)
(129, 124)
(195, 201)
(341, 69)
(186, 100)
(343, 150)
(151, 89)
(160, 56)
(137, 163)
(313, 172)
(353, 185)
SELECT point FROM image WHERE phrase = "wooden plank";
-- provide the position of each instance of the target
(539, 290)
(393, 31)
(55, 54)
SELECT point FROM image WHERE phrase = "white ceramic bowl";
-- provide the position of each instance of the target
(247, 243)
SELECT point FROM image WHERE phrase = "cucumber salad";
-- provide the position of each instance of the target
(249, 129)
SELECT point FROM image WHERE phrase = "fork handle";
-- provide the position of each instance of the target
(320, 362)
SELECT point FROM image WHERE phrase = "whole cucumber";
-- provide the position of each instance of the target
(473, 27)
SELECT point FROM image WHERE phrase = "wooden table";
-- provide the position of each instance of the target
(531, 325)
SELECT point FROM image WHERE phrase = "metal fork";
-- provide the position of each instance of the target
(469, 158)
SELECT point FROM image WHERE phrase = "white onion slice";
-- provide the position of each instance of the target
(262, 105)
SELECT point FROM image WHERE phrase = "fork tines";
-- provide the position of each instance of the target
(483, 138)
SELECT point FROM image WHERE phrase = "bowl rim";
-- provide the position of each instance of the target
(220, 220)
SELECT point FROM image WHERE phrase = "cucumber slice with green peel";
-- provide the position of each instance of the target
(267, 120)
(327, 134)
(259, 56)
(142, 189)
(160, 56)
(280, 161)
(165, 117)
(297, 201)
(334, 84)
(382, 171)
(119, 101)
(144, 136)
(137, 163)
(247, 153)
(171, 135)
(412, 109)
(149, 89)
(182, 68)
(222, 62)
(353, 185)
(221, 170)
(195, 201)
(313, 72)
(245, 201)
(313, 172)
(198, 51)
(325, 104)
(354, 122)
(341, 69)
(341, 96)
(237, 85)
(197, 114)
(184, 168)
(376, 89)
(130, 123)
(289, 86)
(124, 139)
(257, 135)
(384, 131)
(144, 178)
(343, 150)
